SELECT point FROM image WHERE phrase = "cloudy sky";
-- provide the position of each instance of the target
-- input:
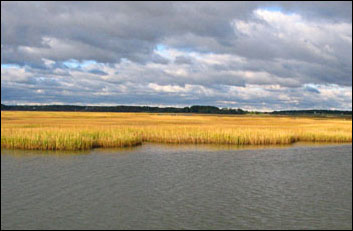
(250, 55)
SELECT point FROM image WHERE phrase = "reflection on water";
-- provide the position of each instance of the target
(178, 187)
(185, 147)
(58, 153)
(28, 153)
(229, 147)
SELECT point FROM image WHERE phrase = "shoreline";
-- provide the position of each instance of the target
(216, 147)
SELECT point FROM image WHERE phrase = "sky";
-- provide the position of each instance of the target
(252, 55)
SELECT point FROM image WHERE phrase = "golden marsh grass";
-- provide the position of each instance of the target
(86, 130)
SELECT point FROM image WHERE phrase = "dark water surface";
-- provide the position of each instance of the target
(171, 187)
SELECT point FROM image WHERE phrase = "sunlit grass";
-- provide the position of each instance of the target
(82, 130)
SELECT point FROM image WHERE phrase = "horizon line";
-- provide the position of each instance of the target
(178, 107)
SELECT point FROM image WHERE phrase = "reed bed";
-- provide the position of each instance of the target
(82, 130)
(67, 139)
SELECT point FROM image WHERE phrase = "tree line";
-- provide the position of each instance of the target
(192, 109)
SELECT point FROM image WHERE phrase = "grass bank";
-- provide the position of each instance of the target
(84, 130)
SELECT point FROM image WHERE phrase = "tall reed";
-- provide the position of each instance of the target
(80, 131)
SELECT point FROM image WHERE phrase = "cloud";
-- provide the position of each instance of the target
(97, 72)
(312, 89)
(242, 54)
(183, 60)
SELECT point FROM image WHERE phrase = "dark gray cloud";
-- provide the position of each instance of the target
(97, 72)
(312, 89)
(178, 53)
(183, 60)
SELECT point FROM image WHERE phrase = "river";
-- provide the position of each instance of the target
(178, 187)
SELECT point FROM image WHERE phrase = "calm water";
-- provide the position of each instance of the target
(171, 187)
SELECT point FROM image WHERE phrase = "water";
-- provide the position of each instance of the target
(171, 187)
